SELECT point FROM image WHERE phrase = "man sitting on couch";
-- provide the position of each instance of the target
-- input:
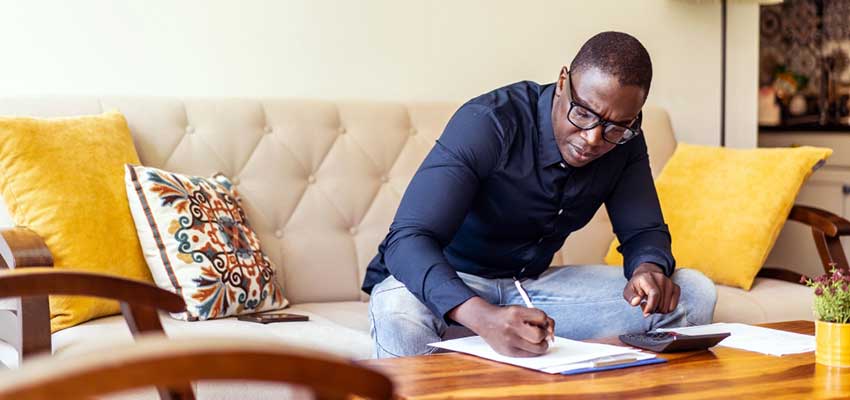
(515, 171)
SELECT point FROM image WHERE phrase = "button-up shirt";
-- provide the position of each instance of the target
(495, 198)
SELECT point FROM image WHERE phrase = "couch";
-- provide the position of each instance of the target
(321, 181)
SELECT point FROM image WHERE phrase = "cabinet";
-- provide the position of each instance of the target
(828, 188)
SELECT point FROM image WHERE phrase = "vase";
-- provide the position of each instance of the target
(832, 346)
(797, 106)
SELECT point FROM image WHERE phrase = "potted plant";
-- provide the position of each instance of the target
(832, 308)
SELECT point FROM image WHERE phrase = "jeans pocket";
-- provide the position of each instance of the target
(388, 284)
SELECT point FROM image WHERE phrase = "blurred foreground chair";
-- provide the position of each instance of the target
(140, 304)
(173, 363)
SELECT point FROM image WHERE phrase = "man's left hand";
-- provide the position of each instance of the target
(649, 282)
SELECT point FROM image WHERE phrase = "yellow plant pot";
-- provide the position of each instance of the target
(832, 344)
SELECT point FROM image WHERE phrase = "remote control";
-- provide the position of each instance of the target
(670, 342)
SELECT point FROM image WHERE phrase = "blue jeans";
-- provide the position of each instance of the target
(585, 301)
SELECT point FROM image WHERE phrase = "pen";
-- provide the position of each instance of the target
(528, 302)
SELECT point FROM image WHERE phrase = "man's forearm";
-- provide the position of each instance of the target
(469, 312)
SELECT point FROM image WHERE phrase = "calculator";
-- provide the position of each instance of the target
(671, 342)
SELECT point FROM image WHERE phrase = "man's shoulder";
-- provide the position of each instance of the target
(511, 101)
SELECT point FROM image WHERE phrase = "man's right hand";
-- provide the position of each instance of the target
(513, 331)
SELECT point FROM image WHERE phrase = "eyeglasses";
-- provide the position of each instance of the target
(585, 119)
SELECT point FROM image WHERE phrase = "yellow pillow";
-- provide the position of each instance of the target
(64, 179)
(725, 207)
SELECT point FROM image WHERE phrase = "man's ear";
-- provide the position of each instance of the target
(562, 81)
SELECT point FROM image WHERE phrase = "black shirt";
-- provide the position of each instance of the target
(495, 198)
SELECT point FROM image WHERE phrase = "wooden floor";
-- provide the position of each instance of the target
(718, 373)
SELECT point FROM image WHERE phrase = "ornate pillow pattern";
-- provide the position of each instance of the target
(198, 244)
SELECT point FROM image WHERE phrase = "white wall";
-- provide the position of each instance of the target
(382, 49)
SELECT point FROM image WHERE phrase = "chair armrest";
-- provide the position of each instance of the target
(139, 300)
(23, 250)
(825, 221)
(21, 247)
(157, 361)
(827, 229)
(48, 281)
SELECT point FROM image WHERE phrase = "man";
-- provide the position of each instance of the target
(514, 173)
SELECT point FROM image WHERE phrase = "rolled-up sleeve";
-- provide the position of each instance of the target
(636, 215)
(435, 204)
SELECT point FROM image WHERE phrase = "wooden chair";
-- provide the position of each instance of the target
(173, 363)
(827, 230)
(140, 303)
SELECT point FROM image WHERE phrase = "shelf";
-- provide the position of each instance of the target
(833, 128)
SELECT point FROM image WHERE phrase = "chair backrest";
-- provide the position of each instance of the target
(321, 180)
(174, 363)
(140, 303)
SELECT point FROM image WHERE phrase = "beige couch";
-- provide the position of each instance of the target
(321, 182)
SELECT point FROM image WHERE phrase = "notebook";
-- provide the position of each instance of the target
(564, 355)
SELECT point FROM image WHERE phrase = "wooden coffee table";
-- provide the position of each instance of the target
(719, 373)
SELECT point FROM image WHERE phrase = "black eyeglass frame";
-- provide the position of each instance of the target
(633, 127)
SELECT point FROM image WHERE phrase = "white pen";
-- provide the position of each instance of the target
(527, 301)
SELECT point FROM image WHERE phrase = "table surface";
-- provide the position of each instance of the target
(719, 373)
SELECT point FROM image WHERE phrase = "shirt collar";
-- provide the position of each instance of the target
(547, 149)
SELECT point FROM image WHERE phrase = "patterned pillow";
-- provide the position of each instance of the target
(198, 244)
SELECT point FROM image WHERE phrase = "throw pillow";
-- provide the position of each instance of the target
(198, 244)
(725, 207)
(63, 178)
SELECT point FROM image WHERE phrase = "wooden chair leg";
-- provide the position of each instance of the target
(34, 315)
(143, 319)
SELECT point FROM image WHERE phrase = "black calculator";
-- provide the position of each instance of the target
(671, 342)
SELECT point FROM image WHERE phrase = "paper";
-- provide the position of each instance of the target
(754, 338)
(560, 357)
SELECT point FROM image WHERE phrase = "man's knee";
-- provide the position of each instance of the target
(698, 295)
(401, 324)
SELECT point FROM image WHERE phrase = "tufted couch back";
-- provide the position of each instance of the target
(320, 180)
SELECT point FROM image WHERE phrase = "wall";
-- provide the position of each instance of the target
(382, 49)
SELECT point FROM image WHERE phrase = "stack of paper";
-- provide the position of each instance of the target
(754, 338)
(564, 355)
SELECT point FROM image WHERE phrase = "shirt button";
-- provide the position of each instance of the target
(561, 211)
(563, 165)
(540, 240)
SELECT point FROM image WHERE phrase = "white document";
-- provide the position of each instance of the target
(561, 356)
(754, 338)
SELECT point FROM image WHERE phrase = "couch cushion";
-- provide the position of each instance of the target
(199, 244)
(725, 207)
(320, 332)
(63, 178)
(769, 300)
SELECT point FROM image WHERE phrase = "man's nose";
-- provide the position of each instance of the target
(593, 137)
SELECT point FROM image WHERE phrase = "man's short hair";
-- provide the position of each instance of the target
(617, 54)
